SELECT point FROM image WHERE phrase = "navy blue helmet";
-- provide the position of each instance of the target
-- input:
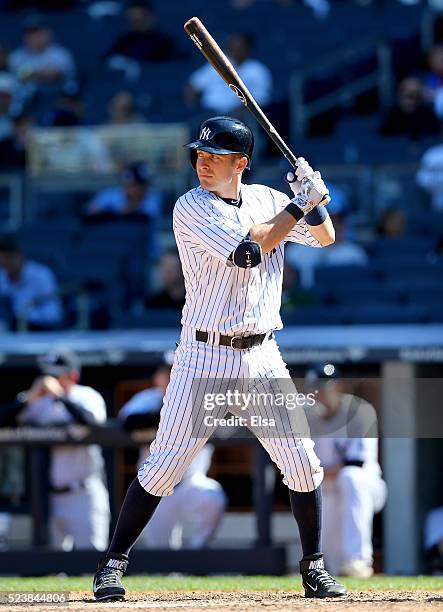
(222, 136)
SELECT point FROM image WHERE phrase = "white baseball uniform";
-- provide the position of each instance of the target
(224, 299)
(80, 515)
(188, 517)
(352, 498)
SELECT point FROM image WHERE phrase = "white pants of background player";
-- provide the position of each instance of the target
(80, 519)
(349, 504)
(177, 442)
(189, 517)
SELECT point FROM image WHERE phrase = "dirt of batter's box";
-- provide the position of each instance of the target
(199, 601)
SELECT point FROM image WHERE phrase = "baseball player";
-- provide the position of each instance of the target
(189, 517)
(230, 237)
(79, 501)
(344, 428)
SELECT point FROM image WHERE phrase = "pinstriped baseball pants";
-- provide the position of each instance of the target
(177, 442)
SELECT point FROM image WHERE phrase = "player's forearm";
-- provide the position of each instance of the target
(323, 233)
(270, 234)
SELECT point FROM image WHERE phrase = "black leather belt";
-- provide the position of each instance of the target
(235, 342)
(68, 489)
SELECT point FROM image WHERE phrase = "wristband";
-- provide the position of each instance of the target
(316, 216)
(294, 210)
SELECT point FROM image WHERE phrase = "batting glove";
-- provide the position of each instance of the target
(295, 177)
(313, 192)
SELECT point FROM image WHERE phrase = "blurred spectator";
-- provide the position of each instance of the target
(79, 501)
(172, 292)
(143, 41)
(293, 294)
(433, 540)
(39, 61)
(411, 116)
(13, 148)
(430, 175)
(189, 517)
(8, 85)
(344, 428)
(68, 109)
(135, 194)
(31, 287)
(122, 111)
(392, 223)
(343, 252)
(205, 85)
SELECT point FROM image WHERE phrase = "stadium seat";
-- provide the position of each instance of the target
(374, 314)
(315, 315)
(6, 314)
(372, 294)
(149, 318)
(339, 275)
(400, 247)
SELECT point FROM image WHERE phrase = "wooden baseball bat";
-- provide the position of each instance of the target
(218, 60)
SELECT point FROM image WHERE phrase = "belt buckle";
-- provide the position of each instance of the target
(232, 342)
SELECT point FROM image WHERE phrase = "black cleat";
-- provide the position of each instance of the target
(317, 582)
(107, 583)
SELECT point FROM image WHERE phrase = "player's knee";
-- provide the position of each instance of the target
(306, 485)
(159, 477)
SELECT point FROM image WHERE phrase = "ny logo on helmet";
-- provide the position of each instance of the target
(205, 133)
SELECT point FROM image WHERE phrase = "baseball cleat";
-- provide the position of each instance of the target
(107, 583)
(317, 582)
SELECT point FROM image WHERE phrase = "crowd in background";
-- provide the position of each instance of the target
(42, 85)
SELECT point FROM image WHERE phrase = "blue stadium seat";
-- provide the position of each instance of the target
(425, 223)
(315, 315)
(408, 246)
(411, 270)
(149, 318)
(372, 294)
(327, 276)
(6, 314)
(373, 314)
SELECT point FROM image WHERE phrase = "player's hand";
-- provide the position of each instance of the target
(44, 385)
(52, 386)
(313, 192)
(295, 177)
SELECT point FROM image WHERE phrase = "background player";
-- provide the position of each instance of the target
(189, 517)
(230, 238)
(344, 428)
(79, 501)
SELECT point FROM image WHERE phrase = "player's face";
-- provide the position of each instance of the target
(218, 172)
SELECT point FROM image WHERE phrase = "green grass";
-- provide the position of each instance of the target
(216, 583)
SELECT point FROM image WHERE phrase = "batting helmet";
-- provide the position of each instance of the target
(223, 135)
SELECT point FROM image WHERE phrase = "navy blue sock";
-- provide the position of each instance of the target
(306, 508)
(138, 507)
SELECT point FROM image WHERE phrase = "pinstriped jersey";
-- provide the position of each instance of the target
(221, 297)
